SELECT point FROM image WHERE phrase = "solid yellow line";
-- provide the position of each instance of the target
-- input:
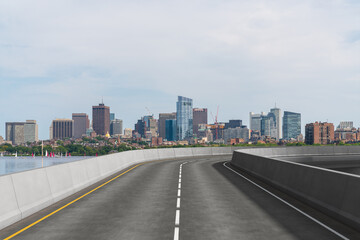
(59, 209)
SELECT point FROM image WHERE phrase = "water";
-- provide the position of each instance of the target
(19, 164)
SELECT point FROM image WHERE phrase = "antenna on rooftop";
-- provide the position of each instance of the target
(102, 99)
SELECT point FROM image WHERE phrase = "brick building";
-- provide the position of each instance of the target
(319, 133)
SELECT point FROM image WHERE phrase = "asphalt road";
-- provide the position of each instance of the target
(183, 199)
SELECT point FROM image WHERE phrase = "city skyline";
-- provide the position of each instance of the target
(210, 114)
(243, 56)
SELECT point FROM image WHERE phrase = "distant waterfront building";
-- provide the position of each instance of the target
(140, 127)
(101, 119)
(237, 132)
(233, 124)
(116, 127)
(184, 118)
(268, 125)
(277, 113)
(81, 123)
(291, 125)
(170, 125)
(319, 133)
(200, 116)
(127, 133)
(112, 116)
(21, 132)
(62, 129)
(162, 118)
(255, 121)
(348, 125)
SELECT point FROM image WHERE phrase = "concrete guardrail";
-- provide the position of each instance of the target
(334, 193)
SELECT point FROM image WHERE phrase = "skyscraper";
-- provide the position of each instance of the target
(112, 116)
(170, 125)
(277, 113)
(62, 128)
(255, 121)
(116, 127)
(21, 132)
(184, 118)
(291, 125)
(162, 118)
(101, 119)
(140, 127)
(81, 123)
(200, 116)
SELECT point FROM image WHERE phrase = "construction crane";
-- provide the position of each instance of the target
(216, 122)
(147, 109)
(216, 125)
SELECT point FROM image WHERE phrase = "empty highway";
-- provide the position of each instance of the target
(179, 199)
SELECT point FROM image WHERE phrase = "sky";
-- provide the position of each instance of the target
(61, 57)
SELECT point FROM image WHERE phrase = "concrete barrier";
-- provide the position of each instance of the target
(24, 193)
(183, 152)
(166, 153)
(79, 175)
(9, 209)
(60, 181)
(151, 154)
(202, 151)
(334, 193)
(32, 191)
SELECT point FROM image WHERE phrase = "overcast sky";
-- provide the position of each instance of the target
(60, 57)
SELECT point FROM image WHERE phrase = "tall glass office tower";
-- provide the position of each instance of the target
(291, 125)
(184, 118)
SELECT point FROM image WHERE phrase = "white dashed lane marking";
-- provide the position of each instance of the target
(177, 213)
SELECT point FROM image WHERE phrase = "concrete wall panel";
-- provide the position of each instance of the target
(93, 170)
(202, 151)
(166, 153)
(60, 180)
(9, 211)
(151, 154)
(183, 152)
(79, 175)
(32, 191)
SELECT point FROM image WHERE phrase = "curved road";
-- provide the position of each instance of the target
(181, 199)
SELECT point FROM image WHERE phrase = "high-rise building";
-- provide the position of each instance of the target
(255, 121)
(81, 123)
(162, 118)
(21, 132)
(140, 127)
(291, 125)
(268, 125)
(116, 127)
(184, 118)
(112, 116)
(62, 128)
(319, 133)
(170, 125)
(200, 116)
(277, 113)
(101, 119)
